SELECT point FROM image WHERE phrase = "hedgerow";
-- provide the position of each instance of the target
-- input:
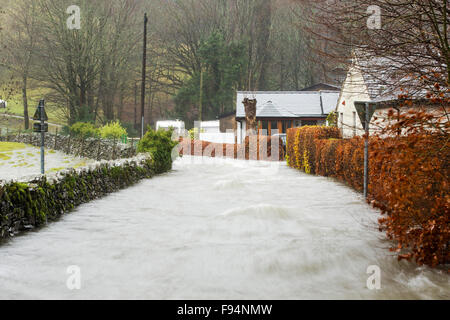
(408, 182)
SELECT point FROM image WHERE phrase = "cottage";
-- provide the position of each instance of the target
(279, 111)
(374, 80)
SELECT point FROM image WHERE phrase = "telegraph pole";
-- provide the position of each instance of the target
(200, 112)
(144, 65)
(135, 105)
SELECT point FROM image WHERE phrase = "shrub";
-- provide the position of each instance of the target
(408, 182)
(84, 130)
(160, 145)
(301, 145)
(112, 130)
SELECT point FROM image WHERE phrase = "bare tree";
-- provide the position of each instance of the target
(19, 45)
(412, 37)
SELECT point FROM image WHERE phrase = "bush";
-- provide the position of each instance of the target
(160, 145)
(84, 130)
(113, 130)
(301, 145)
(408, 182)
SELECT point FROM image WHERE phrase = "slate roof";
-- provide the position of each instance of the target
(322, 87)
(385, 76)
(289, 104)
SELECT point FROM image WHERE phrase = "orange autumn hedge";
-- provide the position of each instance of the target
(408, 182)
(254, 148)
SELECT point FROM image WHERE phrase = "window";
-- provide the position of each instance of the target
(274, 127)
(264, 128)
(309, 122)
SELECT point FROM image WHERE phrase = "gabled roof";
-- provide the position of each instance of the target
(289, 104)
(322, 87)
(269, 110)
(384, 76)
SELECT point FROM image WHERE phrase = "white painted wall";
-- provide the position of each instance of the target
(353, 89)
(210, 126)
(218, 137)
(178, 125)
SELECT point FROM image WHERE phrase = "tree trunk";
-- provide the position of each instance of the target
(25, 103)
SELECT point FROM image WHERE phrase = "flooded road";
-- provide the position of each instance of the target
(220, 229)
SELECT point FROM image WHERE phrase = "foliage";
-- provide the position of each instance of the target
(84, 130)
(332, 119)
(194, 133)
(112, 130)
(408, 178)
(223, 68)
(303, 139)
(413, 165)
(160, 145)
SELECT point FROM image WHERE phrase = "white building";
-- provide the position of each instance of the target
(374, 80)
(178, 125)
(210, 131)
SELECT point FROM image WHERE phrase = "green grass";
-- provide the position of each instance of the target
(4, 157)
(55, 169)
(13, 125)
(15, 104)
(11, 146)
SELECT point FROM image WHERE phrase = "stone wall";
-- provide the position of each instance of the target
(98, 149)
(27, 205)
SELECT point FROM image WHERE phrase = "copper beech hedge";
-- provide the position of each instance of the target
(408, 183)
(254, 148)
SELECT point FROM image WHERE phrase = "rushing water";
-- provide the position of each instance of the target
(217, 230)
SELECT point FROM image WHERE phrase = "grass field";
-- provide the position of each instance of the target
(15, 104)
(11, 124)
